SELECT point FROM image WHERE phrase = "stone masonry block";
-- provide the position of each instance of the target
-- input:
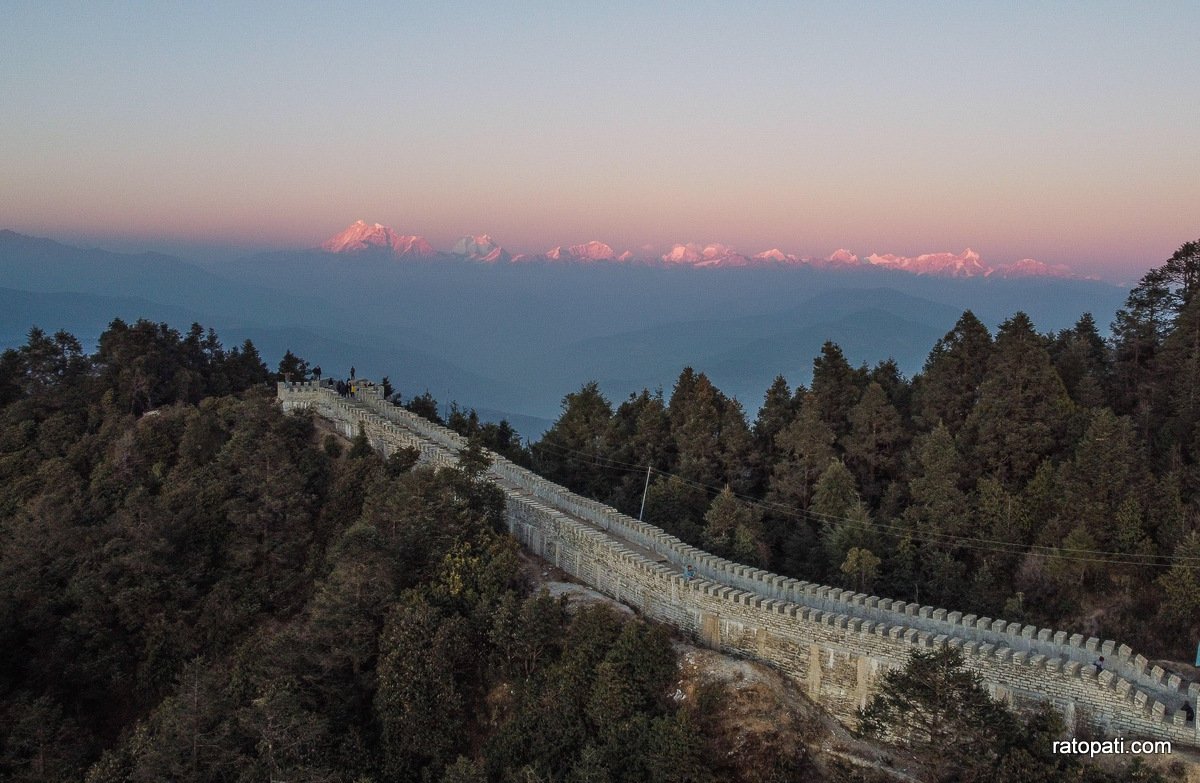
(1124, 651)
(1107, 648)
(1076, 640)
(925, 611)
(1174, 681)
(1028, 631)
(1139, 663)
(954, 618)
(1156, 673)
(1071, 668)
(1060, 637)
(984, 623)
(939, 615)
(1092, 645)
(1037, 660)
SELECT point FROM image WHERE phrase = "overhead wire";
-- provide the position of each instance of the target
(936, 538)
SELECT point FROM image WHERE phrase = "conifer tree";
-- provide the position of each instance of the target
(948, 386)
(836, 387)
(875, 439)
(1023, 409)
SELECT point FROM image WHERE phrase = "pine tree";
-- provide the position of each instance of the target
(874, 442)
(948, 387)
(806, 449)
(835, 386)
(572, 451)
(1023, 408)
(733, 529)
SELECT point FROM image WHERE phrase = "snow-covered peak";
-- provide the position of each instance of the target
(588, 251)
(777, 256)
(1031, 267)
(684, 254)
(480, 248)
(360, 237)
(964, 264)
(842, 256)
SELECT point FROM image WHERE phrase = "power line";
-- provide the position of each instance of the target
(929, 536)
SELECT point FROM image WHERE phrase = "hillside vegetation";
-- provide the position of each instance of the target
(1043, 478)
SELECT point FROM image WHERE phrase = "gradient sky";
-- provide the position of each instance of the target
(1068, 132)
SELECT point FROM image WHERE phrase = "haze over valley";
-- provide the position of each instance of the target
(511, 337)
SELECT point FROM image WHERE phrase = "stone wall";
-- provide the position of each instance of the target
(834, 643)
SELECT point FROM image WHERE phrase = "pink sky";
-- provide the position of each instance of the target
(1063, 133)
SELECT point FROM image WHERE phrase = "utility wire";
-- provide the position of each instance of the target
(933, 537)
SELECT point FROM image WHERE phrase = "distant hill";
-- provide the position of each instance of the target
(514, 338)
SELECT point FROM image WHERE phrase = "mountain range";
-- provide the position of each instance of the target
(511, 337)
(361, 237)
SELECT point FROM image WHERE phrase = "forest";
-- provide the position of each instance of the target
(194, 586)
(1051, 479)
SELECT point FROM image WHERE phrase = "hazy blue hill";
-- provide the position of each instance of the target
(744, 355)
(513, 339)
(867, 335)
(83, 315)
(33, 264)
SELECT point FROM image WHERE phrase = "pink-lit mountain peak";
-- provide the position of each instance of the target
(964, 264)
(361, 236)
(480, 248)
(1031, 267)
(588, 251)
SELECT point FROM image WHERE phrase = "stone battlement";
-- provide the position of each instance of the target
(834, 642)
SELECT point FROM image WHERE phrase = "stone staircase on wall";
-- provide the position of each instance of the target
(835, 643)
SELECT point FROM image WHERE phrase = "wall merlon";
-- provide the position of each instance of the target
(984, 623)
(1037, 661)
(999, 626)
(1124, 651)
(925, 611)
(1076, 640)
(1140, 662)
(1072, 668)
(1060, 638)
(939, 615)
(1157, 673)
(954, 618)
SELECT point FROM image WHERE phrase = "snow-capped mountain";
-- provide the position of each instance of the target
(1031, 267)
(588, 251)
(841, 257)
(361, 236)
(965, 264)
(480, 248)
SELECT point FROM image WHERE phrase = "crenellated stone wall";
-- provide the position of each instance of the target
(834, 643)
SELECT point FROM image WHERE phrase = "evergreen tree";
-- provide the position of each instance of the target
(1023, 408)
(806, 449)
(733, 529)
(835, 387)
(572, 451)
(949, 384)
(875, 440)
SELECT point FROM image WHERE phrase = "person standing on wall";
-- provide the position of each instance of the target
(351, 373)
